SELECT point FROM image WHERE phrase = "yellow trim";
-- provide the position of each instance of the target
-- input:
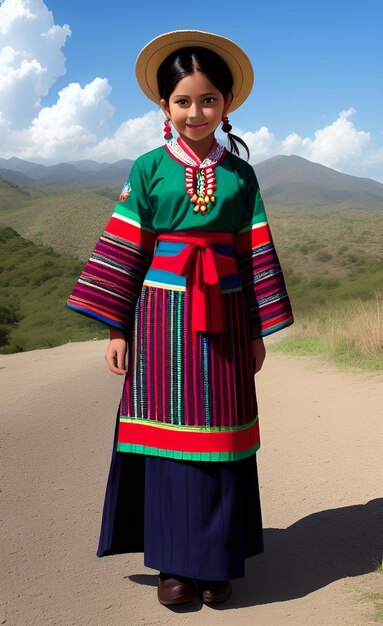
(115, 242)
(129, 220)
(252, 227)
(259, 225)
(169, 287)
(99, 262)
(207, 429)
(153, 283)
(83, 281)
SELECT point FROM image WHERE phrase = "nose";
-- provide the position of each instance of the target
(194, 110)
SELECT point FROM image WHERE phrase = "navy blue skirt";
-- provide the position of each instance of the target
(201, 519)
(194, 519)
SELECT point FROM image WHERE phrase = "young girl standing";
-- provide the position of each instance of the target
(188, 280)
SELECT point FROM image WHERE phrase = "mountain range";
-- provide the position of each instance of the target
(326, 226)
(65, 176)
(289, 182)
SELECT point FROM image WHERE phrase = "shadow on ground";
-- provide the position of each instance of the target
(312, 553)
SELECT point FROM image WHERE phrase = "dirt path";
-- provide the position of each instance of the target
(321, 488)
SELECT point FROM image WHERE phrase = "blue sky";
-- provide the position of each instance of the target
(317, 70)
(311, 59)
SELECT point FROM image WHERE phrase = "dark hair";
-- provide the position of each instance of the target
(189, 60)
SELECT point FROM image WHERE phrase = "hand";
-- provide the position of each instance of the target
(259, 354)
(115, 355)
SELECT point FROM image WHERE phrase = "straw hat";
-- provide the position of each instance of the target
(157, 50)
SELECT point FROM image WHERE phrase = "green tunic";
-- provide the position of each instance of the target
(187, 394)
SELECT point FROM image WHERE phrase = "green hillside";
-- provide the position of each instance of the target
(336, 245)
(70, 223)
(12, 196)
(329, 243)
(34, 285)
(332, 261)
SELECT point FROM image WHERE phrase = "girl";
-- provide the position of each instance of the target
(186, 276)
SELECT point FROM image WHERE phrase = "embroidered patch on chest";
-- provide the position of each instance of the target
(125, 191)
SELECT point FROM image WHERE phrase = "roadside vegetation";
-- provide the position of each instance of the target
(334, 273)
(348, 332)
(34, 285)
(332, 263)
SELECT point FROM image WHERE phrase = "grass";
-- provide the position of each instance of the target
(350, 333)
(377, 599)
(332, 241)
(68, 222)
(13, 196)
(34, 285)
(332, 262)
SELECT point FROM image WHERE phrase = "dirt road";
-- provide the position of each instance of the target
(321, 488)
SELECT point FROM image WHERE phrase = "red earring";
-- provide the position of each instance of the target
(226, 127)
(167, 130)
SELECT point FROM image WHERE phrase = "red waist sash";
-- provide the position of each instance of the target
(203, 267)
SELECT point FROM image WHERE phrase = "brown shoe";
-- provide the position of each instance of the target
(215, 592)
(172, 591)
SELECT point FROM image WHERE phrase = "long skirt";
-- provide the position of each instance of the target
(194, 519)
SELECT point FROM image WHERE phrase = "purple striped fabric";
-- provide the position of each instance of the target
(111, 280)
(268, 304)
(183, 378)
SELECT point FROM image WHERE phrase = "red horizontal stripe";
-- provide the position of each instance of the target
(205, 237)
(132, 233)
(252, 238)
(188, 441)
(276, 320)
(90, 307)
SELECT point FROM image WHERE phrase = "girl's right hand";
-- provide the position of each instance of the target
(115, 355)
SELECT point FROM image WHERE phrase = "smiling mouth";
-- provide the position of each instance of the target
(196, 125)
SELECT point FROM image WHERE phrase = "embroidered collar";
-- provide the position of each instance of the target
(181, 152)
(200, 180)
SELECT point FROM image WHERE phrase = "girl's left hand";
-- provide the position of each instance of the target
(259, 354)
(116, 353)
(115, 356)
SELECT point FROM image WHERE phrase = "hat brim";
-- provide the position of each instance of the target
(157, 50)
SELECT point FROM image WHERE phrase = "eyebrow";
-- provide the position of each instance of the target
(203, 95)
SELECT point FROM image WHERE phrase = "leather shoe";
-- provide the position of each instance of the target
(173, 591)
(215, 592)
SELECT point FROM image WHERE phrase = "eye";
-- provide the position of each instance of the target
(209, 100)
(181, 101)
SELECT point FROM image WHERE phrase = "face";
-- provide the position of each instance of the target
(196, 108)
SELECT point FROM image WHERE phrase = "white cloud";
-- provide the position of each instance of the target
(338, 145)
(335, 145)
(31, 58)
(131, 139)
(261, 143)
(76, 126)
(372, 166)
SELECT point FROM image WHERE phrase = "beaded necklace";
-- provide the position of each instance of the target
(200, 180)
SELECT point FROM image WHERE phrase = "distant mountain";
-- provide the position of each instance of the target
(328, 251)
(87, 165)
(66, 176)
(19, 165)
(294, 182)
(289, 182)
(17, 177)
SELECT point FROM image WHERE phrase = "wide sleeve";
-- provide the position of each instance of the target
(111, 281)
(263, 282)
